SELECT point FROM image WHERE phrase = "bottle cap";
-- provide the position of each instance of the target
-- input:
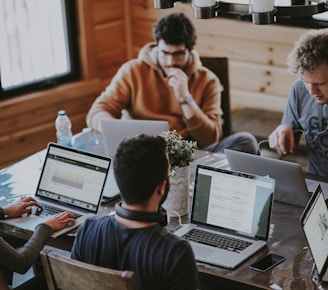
(61, 113)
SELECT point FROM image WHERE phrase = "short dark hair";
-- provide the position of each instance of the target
(140, 164)
(175, 29)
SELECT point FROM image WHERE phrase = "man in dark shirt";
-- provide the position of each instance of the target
(135, 238)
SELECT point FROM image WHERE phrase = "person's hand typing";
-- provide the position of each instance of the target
(282, 139)
(60, 220)
(20, 207)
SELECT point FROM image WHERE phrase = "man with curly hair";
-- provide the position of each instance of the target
(306, 110)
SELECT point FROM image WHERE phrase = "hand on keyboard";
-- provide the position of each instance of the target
(60, 220)
(23, 206)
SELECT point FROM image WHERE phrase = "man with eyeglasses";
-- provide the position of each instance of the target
(168, 82)
(306, 110)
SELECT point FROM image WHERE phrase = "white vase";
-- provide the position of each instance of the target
(177, 201)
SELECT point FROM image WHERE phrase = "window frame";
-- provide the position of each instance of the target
(73, 51)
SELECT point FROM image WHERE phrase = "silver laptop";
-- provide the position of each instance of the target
(290, 187)
(71, 180)
(232, 207)
(314, 221)
(115, 131)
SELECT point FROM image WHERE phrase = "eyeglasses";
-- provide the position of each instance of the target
(177, 55)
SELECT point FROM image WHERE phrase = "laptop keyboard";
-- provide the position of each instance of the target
(51, 210)
(217, 240)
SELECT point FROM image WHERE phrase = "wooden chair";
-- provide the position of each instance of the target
(219, 65)
(64, 273)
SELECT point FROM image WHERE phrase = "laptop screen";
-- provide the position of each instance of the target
(73, 177)
(116, 130)
(233, 201)
(315, 225)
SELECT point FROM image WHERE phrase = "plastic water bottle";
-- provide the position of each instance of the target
(63, 129)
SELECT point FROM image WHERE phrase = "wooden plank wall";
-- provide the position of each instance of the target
(28, 124)
(111, 32)
(257, 53)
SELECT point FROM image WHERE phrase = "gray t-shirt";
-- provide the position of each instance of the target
(304, 113)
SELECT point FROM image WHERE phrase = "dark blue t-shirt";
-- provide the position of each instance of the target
(159, 259)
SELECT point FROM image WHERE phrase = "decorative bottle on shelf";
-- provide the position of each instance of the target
(63, 129)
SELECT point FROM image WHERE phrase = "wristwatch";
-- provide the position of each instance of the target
(188, 100)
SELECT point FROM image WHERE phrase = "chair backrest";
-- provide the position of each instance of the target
(219, 65)
(64, 273)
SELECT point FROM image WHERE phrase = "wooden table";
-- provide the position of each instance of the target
(286, 237)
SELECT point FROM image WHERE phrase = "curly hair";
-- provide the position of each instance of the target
(175, 29)
(310, 51)
(140, 164)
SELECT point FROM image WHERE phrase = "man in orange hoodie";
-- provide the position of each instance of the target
(168, 82)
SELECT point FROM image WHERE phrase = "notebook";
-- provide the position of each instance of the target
(71, 180)
(115, 131)
(290, 186)
(314, 221)
(231, 204)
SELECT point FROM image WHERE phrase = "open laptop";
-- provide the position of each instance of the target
(290, 187)
(314, 221)
(231, 204)
(71, 180)
(115, 131)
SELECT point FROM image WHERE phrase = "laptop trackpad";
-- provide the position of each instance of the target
(28, 222)
(202, 251)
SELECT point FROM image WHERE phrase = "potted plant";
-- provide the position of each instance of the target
(180, 151)
(181, 154)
